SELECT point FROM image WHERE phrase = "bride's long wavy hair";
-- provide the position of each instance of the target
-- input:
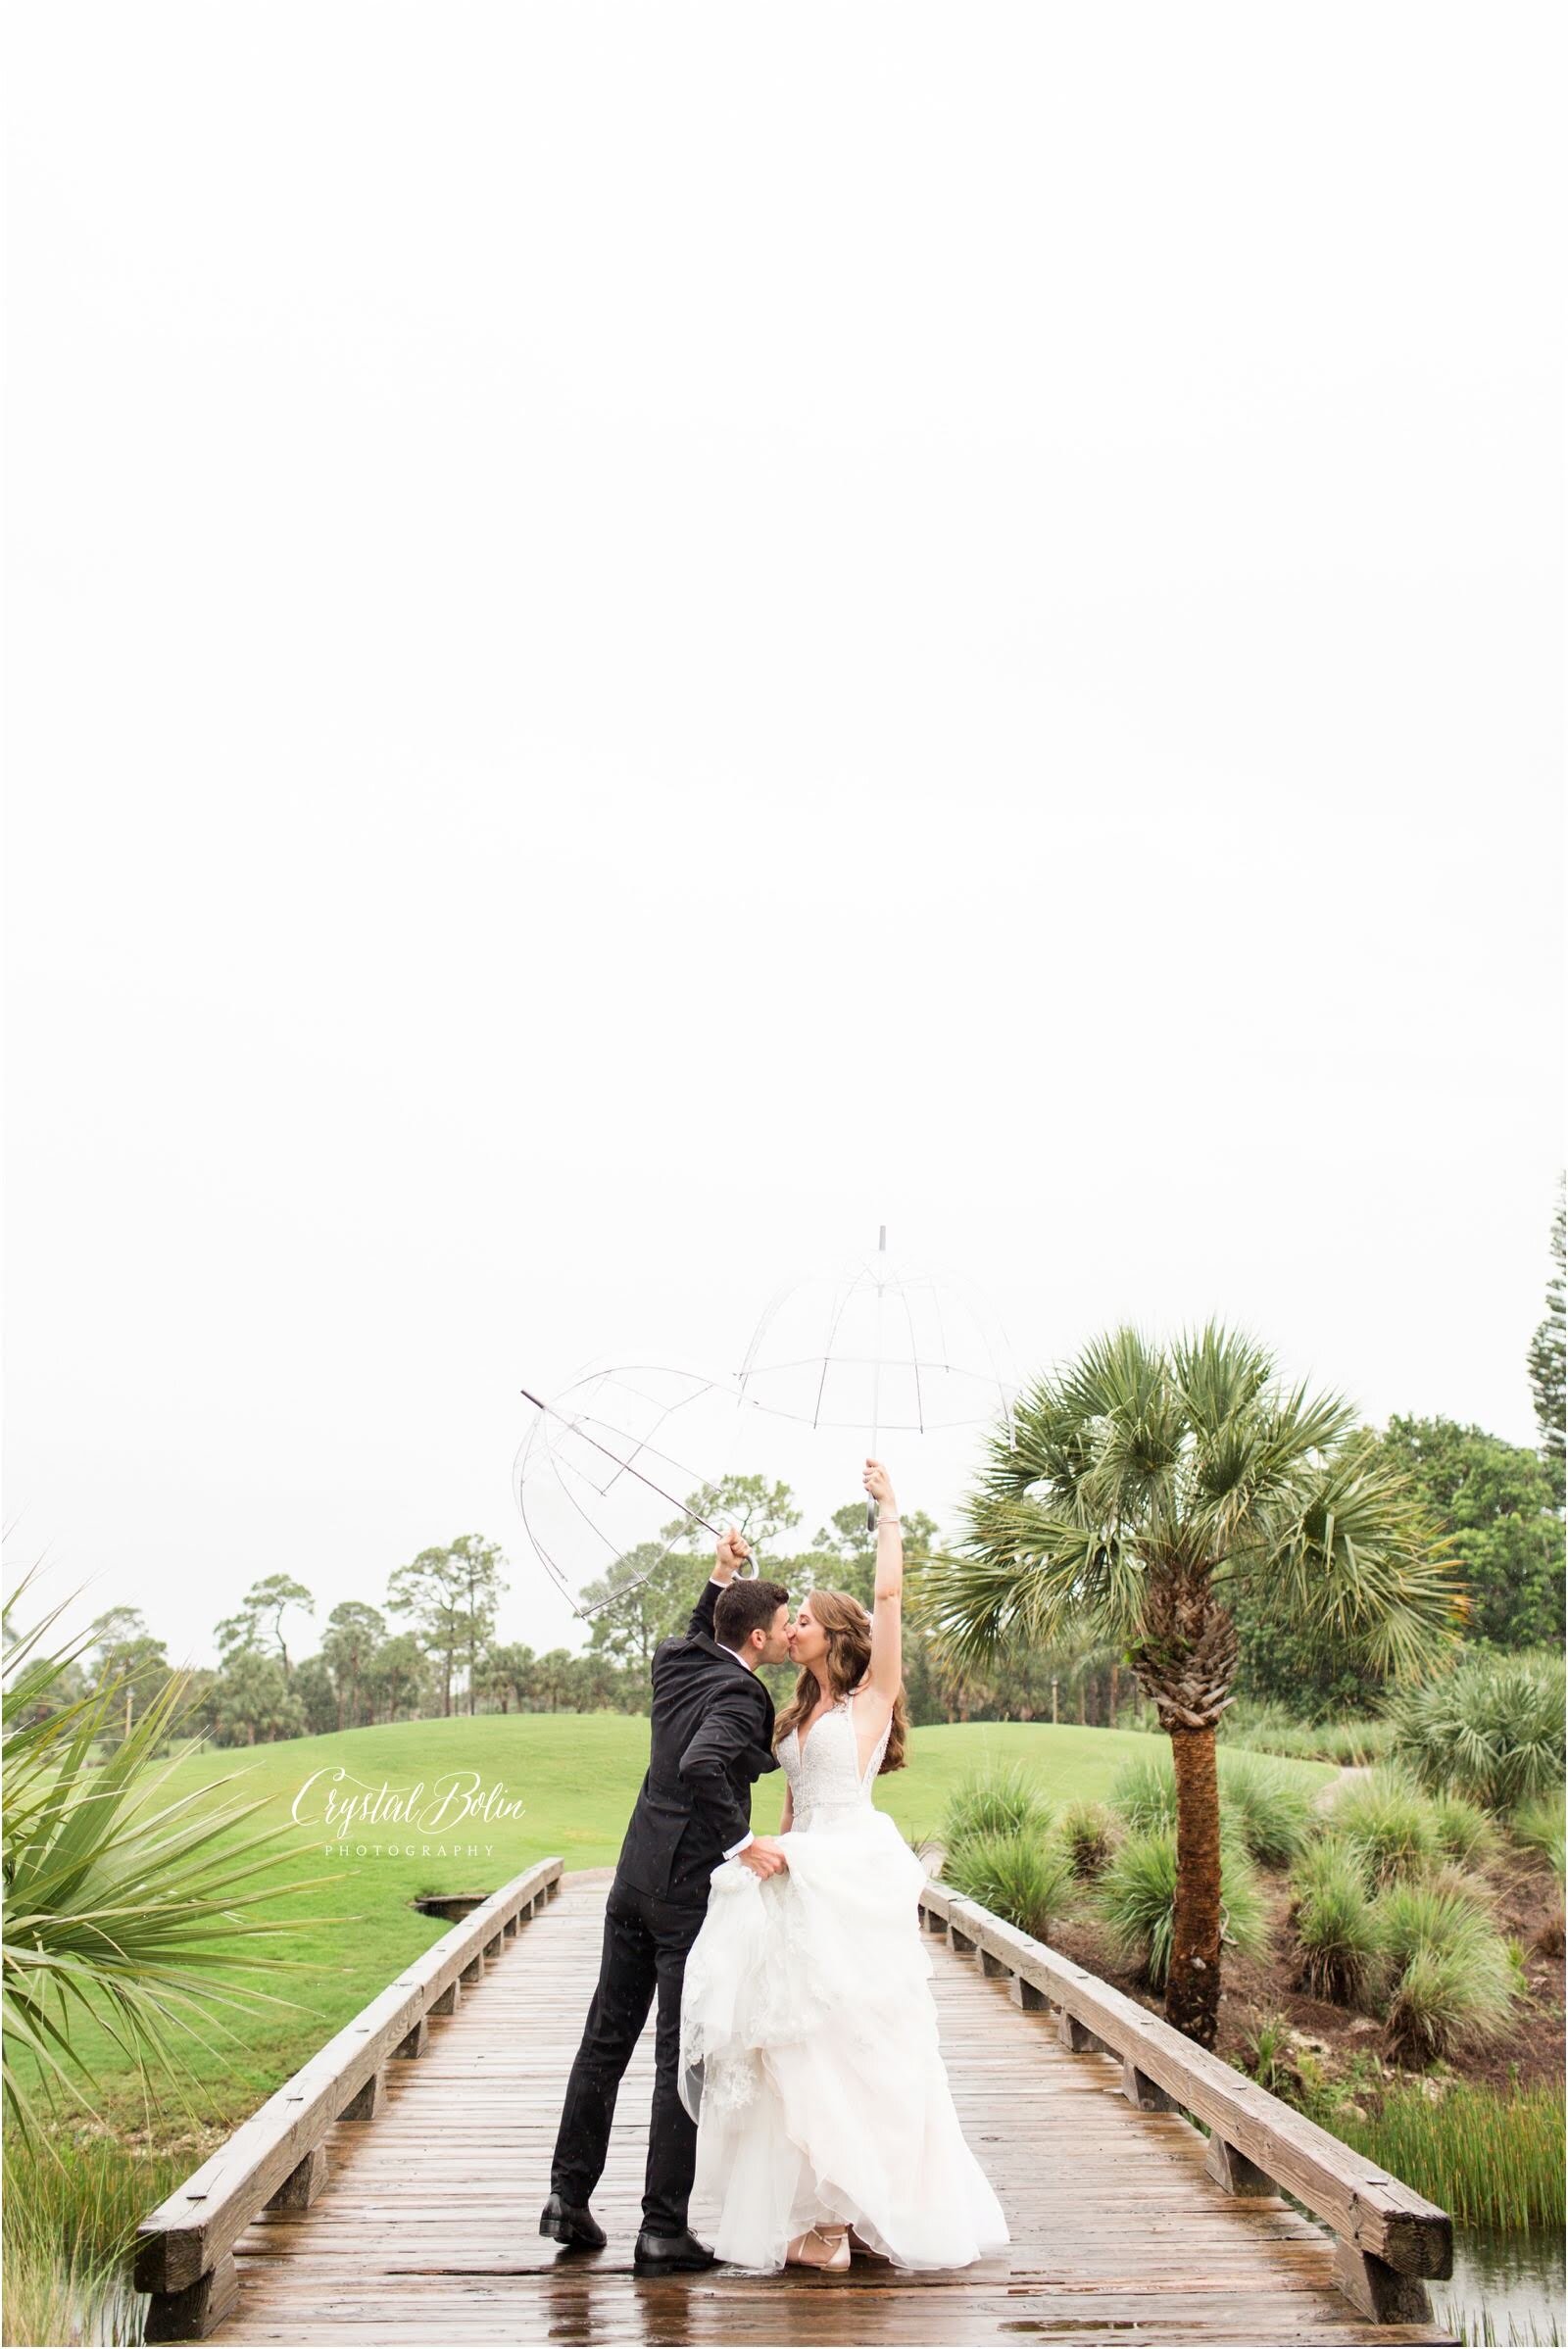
(847, 1627)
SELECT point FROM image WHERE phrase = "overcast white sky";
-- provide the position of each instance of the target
(643, 638)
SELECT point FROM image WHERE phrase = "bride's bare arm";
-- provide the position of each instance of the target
(887, 1616)
(788, 1820)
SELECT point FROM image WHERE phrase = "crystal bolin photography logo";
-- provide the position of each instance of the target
(333, 1803)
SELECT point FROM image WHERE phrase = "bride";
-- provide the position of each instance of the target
(808, 2032)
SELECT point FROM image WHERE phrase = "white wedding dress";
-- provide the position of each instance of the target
(808, 2038)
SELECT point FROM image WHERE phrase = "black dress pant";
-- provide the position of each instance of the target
(645, 1948)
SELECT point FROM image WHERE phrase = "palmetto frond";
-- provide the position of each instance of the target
(1357, 1558)
(118, 1907)
(1138, 1468)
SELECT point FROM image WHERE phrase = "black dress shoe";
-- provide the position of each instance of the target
(671, 2254)
(570, 2223)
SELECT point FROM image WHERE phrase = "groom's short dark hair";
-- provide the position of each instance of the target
(746, 1604)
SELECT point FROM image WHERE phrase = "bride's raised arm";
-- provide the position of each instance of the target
(886, 1615)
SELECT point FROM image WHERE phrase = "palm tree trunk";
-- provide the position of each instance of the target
(1192, 1990)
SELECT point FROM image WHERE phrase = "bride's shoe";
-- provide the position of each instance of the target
(826, 2247)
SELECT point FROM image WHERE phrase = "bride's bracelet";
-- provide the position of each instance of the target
(890, 1521)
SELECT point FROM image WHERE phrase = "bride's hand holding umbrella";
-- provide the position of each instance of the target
(879, 1489)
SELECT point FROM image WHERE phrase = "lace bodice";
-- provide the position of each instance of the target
(826, 1780)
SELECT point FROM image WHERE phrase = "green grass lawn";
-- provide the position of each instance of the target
(575, 1777)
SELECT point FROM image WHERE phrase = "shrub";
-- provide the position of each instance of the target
(1273, 1810)
(1088, 1833)
(1491, 1728)
(995, 1802)
(1388, 1824)
(1029, 1882)
(1136, 1897)
(1337, 1927)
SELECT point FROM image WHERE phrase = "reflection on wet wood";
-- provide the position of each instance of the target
(424, 2229)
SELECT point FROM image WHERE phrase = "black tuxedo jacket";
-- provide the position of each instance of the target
(712, 1737)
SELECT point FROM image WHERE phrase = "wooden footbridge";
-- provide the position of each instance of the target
(391, 2192)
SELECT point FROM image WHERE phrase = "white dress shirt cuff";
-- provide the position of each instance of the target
(741, 1846)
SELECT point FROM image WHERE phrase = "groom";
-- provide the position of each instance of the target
(712, 1736)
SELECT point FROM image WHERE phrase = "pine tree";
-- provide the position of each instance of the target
(1547, 1362)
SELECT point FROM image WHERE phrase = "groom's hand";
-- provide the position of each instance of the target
(729, 1556)
(763, 1856)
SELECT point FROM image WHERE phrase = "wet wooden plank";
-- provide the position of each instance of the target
(185, 2240)
(425, 2230)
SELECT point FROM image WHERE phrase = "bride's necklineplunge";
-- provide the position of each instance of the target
(838, 1706)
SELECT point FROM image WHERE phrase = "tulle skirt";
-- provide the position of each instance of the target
(810, 2058)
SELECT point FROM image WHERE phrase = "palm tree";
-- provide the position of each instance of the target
(1144, 1486)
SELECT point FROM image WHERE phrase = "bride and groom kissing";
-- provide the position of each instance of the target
(799, 2087)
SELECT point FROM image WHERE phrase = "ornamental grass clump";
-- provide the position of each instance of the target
(995, 1802)
(1143, 1794)
(1539, 1826)
(1136, 1897)
(1463, 1829)
(1337, 1928)
(1089, 1832)
(1450, 1975)
(1390, 1826)
(1029, 1882)
(1272, 1808)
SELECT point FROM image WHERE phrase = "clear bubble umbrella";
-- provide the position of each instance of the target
(628, 1461)
(881, 1346)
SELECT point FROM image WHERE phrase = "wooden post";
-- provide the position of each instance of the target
(1378, 2290)
(1232, 2169)
(367, 2101)
(192, 2314)
(1145, 2093)
(302, 2183)
(1077, 2037)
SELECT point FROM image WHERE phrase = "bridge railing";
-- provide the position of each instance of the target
(276, 2160)
(1389, 2239)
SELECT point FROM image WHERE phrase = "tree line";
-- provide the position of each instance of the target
(430, 1648)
